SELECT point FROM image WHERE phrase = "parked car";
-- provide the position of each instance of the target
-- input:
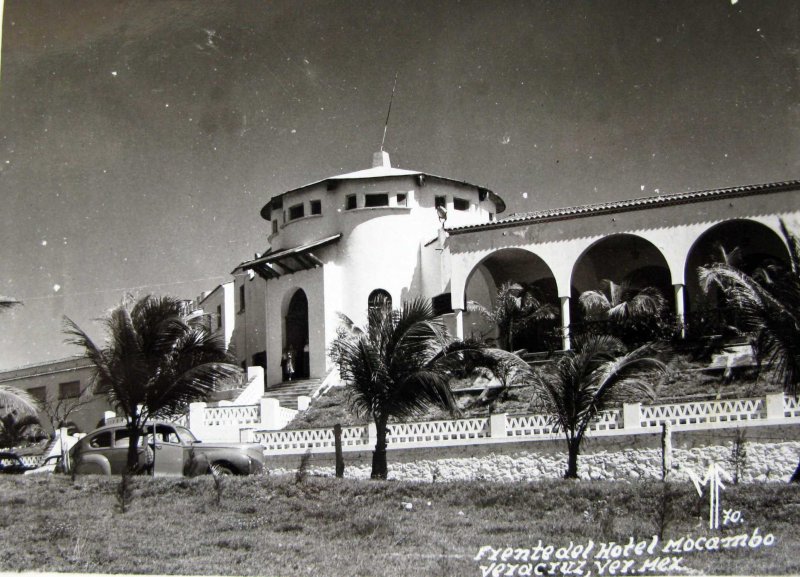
(11, 464)
(175, 452)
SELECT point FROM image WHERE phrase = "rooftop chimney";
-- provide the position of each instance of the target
(381, 159)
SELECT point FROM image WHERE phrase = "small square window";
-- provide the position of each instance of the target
(460, 204)
(39, 394)
(316, 207)
(440, 201)
(402, 199)
(70, 390)
(296, 211)
(373, 200)
(351, 202)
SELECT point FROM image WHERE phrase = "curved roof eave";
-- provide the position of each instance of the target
(384, 172)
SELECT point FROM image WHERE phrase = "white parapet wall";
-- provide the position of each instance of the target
(227, 421)
(631, 419)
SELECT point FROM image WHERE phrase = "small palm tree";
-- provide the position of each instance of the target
(16, 429)
(156, 360)
(586, 380)
(516, 308)
(12, 398)
(633, 313)
(767, 304)
(397, 366)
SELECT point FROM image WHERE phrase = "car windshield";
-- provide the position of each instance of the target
(185, 435)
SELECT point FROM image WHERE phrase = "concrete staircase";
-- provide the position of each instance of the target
(287, 393)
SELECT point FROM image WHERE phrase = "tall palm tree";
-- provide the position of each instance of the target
(397, 366)
(516, 308)
(767, 304)
(12, 398)
(586, 380)
(156, 360)
(633, 313)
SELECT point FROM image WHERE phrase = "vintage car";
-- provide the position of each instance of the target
(174, 452)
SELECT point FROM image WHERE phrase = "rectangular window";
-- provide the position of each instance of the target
(402, 199)
(316, 207)
(373, 200)
(241, 298)
(440, 201)
(351, 202)
(39, 394)
(491, 216)
(296, 211)
(275, 226)
(460, 204)
(219, 316)
(70, 390)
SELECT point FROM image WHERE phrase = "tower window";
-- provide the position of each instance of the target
(373, 200)
(275, 226)
(440, 201)
(316, 207)
(241, 298)
(219, 316)
(460, 204)
(402, 199)
(296, 211)
(351, 202)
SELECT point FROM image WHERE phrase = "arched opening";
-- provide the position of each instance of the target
(296, 341)
(745, 244)
(512, 265)
(379, 298)
(631, 263)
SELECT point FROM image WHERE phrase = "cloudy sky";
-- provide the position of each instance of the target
(139, 139)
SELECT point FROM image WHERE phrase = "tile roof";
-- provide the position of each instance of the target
(628, 205)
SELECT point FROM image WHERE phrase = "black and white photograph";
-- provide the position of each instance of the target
(487, 288)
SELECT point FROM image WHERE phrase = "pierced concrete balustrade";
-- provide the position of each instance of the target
(631, 419)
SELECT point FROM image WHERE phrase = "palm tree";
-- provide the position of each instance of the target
(633, 313)
(586, 380)
(8, 302)
(767, 304)
(12, 398)
(156, 360)
(15, 429)
(516, 308)
(397, 366)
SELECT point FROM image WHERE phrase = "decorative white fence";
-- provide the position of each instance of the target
(631, 419)
(227, 422)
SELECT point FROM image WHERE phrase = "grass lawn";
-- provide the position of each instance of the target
(321, 526)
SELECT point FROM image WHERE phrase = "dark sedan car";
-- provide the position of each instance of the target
(174, 452)
(11, 464)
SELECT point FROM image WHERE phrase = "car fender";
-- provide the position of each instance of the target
(92, 465)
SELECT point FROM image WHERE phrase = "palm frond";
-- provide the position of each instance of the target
(15, 399)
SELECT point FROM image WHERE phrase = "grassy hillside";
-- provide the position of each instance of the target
(279, 526)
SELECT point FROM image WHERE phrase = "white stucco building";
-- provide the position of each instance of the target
(337, 243)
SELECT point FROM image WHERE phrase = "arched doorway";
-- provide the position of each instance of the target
(296, 341)
(379, 298)
(531, 272)
(745, 244)
(631, 263)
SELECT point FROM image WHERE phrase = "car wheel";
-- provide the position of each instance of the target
(219, 469)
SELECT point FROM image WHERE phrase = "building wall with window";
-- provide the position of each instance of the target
(339, 240)
(219, 303)
(63, 390)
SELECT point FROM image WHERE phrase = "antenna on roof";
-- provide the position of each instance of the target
(386, 125)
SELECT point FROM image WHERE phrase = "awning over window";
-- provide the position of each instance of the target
(288, 261)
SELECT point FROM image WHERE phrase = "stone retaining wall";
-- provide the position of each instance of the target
(764, 461)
